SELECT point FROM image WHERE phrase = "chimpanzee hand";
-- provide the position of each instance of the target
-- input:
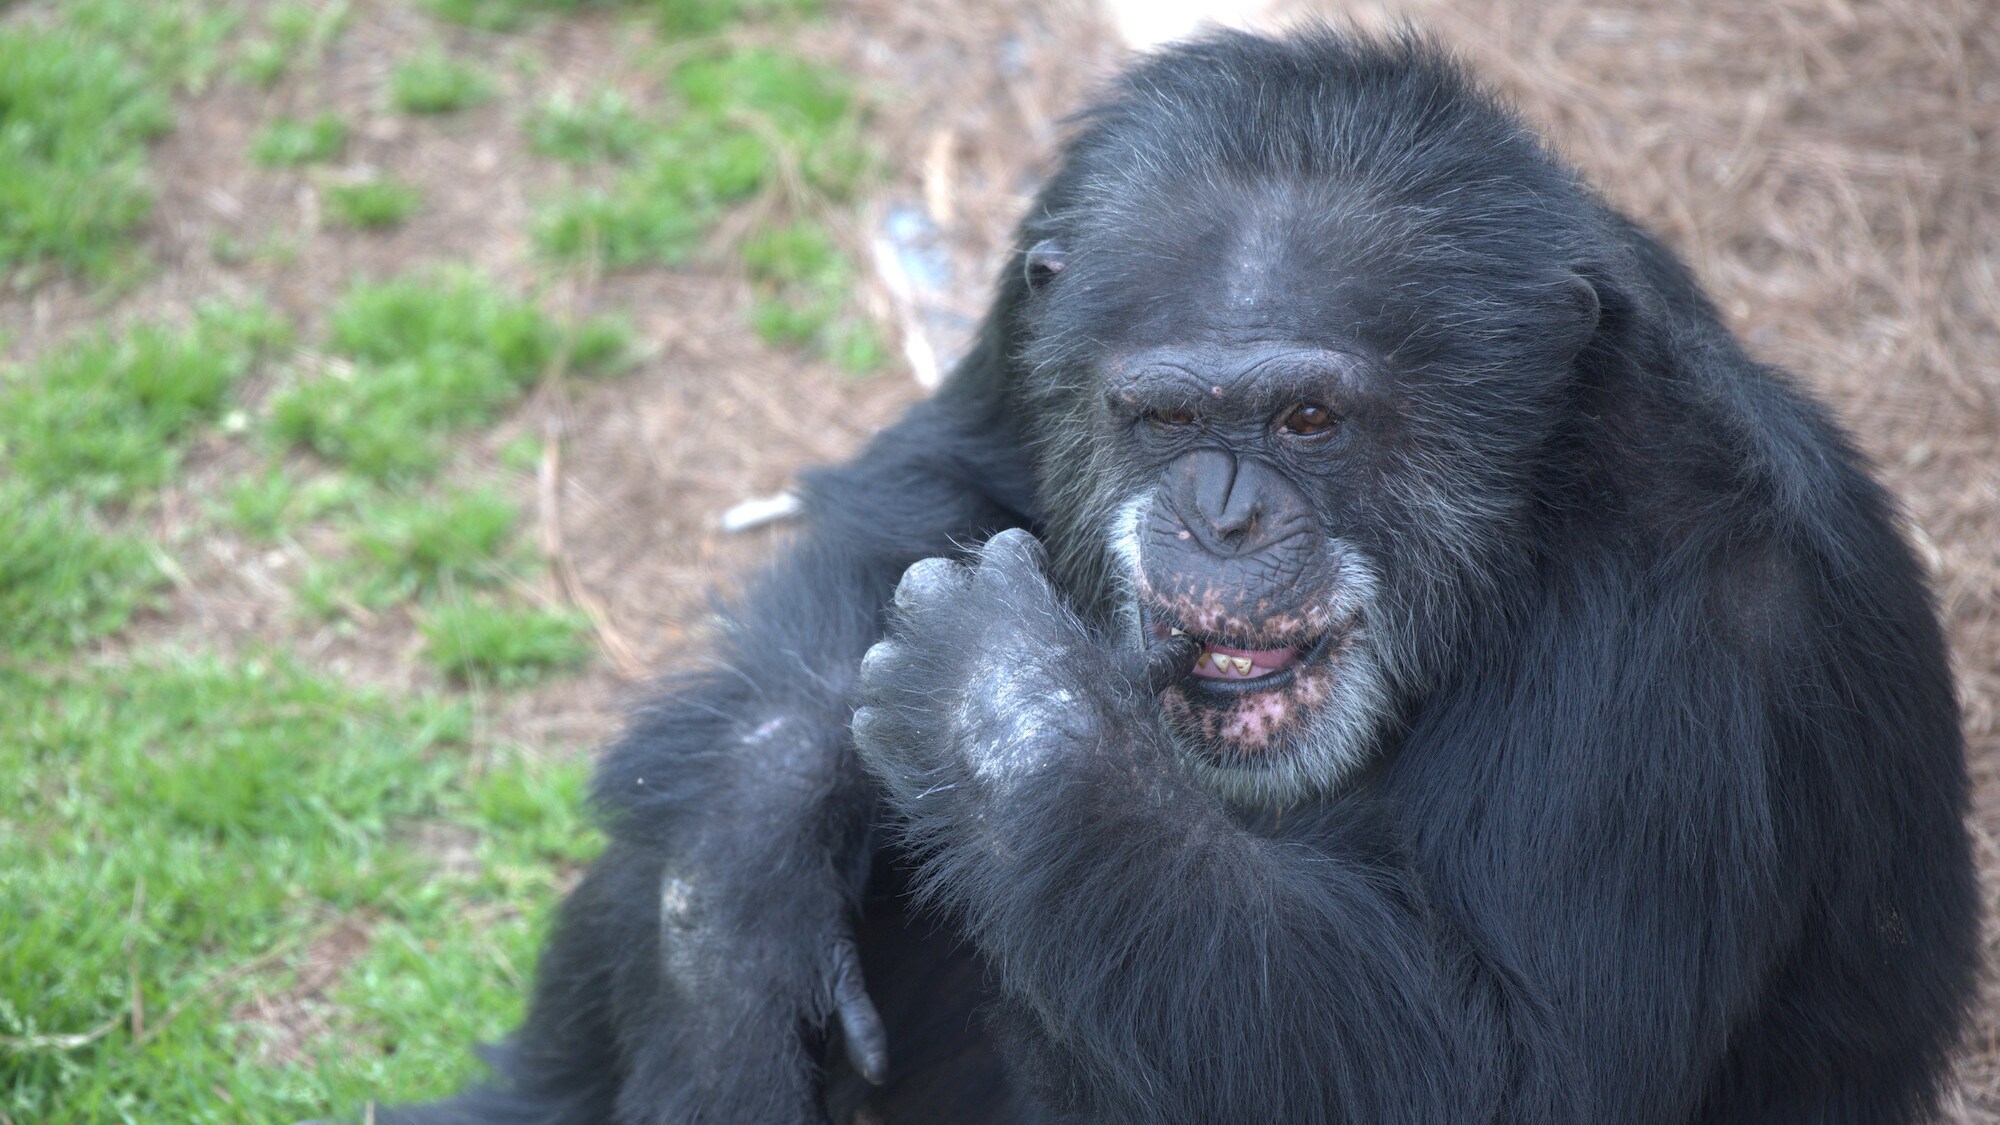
(749, 975)
(987, 681)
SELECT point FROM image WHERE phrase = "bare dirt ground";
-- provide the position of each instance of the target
(1830, 169)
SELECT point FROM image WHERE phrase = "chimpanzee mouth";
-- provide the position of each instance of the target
(1303, 712)
(1229, 669)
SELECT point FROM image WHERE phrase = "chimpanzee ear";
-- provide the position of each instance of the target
(1044, 260)
(1583, 295)
(1584, 310)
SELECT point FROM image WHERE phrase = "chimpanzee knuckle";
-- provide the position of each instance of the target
(1009, 587)
(926, 582)
(1014, 550)
(871, 730)
(879, 668)
(889, 748)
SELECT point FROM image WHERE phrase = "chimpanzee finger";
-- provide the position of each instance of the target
(877, 669)
(897, 755)
(874, 730)
(1167, 661)
(1014, 550)
(860, 1024)
(1013, 563)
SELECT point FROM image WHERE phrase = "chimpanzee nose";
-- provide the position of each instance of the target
(1227, 504)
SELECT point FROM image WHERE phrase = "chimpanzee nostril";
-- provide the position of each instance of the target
(1229, 506)
(1234, 528)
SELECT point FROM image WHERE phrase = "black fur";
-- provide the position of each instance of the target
(1657, 814)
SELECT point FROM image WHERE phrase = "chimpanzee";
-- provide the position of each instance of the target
(1376, 651)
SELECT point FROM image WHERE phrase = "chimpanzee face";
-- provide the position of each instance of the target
(1287, 441)
(1232, 545)
(1229, 455)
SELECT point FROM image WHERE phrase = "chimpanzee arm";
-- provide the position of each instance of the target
(1175, 965)
(735, 803)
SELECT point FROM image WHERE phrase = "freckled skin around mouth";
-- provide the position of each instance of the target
(1252, 723)
(1243, 722)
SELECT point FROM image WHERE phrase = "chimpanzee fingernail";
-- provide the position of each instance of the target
(1168, 660)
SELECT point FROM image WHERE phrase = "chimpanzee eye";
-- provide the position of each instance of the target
(1177, 416)
(1309, 418)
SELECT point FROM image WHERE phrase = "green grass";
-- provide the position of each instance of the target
(659, 211)
(75, 119)
(373, 204)
(401, 546)
(388, 421)
(801, 99)
(523, 454)
(421, 545)
(180, 44)
(806, 108)
(292, 30)
(600, 346)
(624, 227)
(431, 355)
(603, 127)
(62, 580)
(702, 17)
(104, 417)
(696, 17)
(803, 281)
(748, 113)
(794, 319)
(434, 82)
(854, 344)
(675, 18)
(800, 254)
(264, 61)
(455, 312)
(289, 142)
(271, 505)
(180, 830)
(479, 642)
(486, 15)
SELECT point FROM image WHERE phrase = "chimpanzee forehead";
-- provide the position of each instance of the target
(1236, 259)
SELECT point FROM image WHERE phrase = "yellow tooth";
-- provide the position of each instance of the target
(1242, 664)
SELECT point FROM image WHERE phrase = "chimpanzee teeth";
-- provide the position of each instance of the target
(1241, 665)
(1177, 631)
